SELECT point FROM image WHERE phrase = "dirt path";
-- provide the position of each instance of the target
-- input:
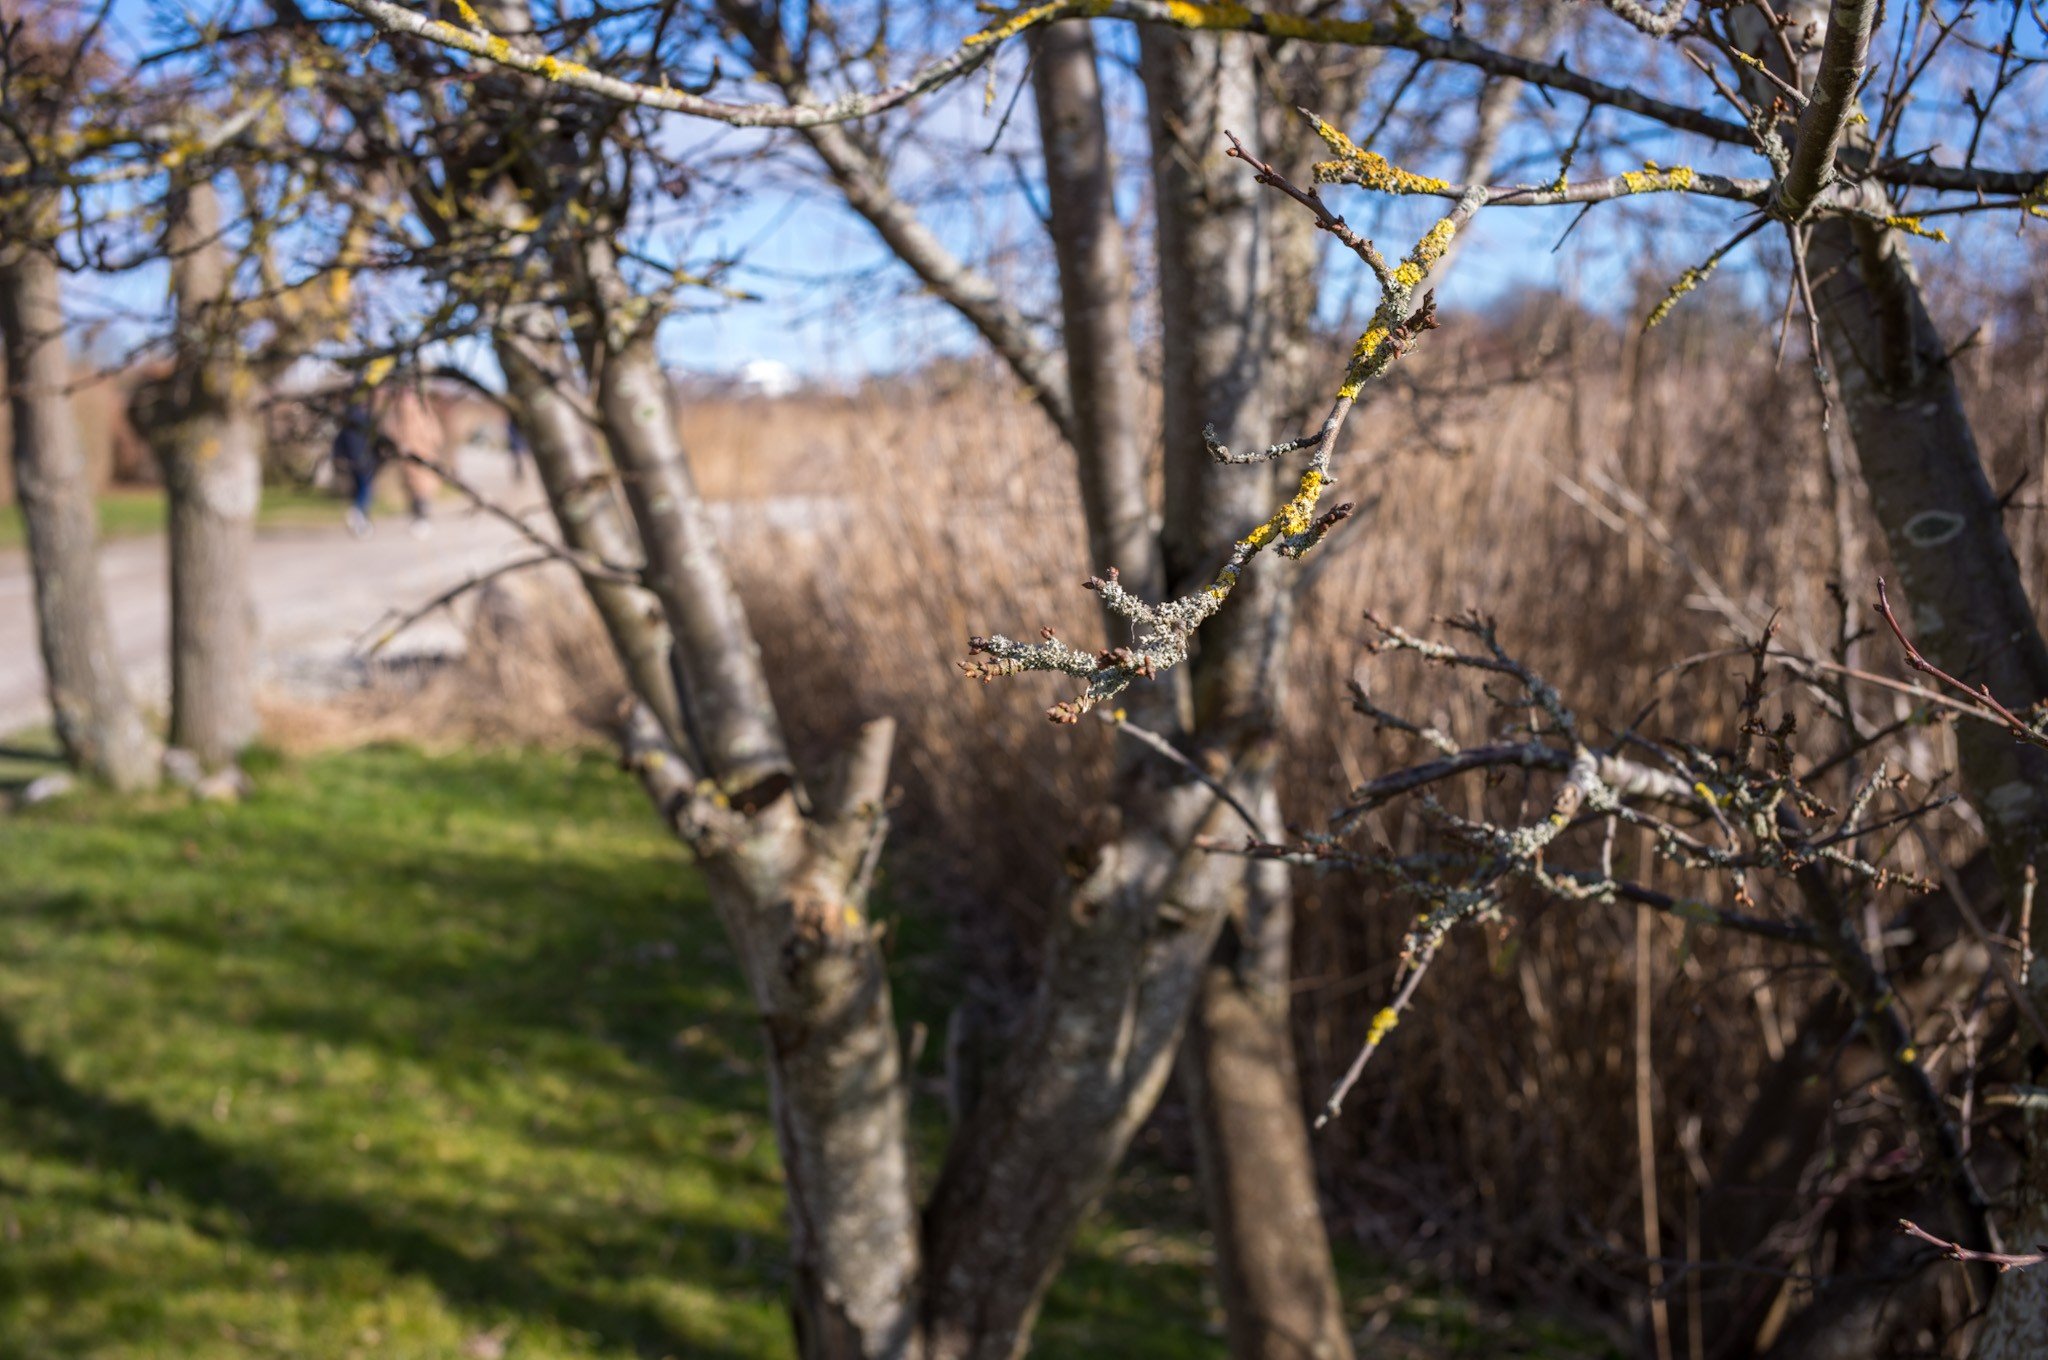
(318, 592)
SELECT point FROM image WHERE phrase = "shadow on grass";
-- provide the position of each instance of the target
(48, 1114)
(466, 1022)
(460, 1022)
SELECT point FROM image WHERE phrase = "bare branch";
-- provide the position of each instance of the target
(1982, 703)
(2004, 1261)
(1844, 57)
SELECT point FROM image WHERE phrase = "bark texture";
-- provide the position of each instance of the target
(1095, 306)
(790, 886)
(726, 704)
(1258, 1173)
(1233, 279)
(1967, 606)
(542, 390)
(97, 722)
(203, 422)
(787, 873)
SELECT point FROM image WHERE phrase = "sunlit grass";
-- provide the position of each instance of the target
(426, 1057)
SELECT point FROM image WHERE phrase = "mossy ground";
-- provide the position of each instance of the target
(434, 1057)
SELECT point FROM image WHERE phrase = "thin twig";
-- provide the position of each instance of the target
(2003, 1260)
(1987, 705)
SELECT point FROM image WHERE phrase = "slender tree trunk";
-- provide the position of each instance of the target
(724, 690)
(1232, 285)
(97, 722)
(1095, 306)
(1968, 611)
(790, 885)
(1258, 1173)
(1966, 605)
(208, 435)
(583, 492)
(1086, 1067)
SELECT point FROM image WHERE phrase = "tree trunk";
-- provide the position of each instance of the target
(202, 421)
(790, 886)
(724, 692)
(788, 877)
(1226, 281)
(1084, 1070)
(541, 389)
(1095, 307)
(97, 722)
(1258, 1172)
(1966, 605)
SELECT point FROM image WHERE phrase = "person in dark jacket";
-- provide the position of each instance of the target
(356, 456)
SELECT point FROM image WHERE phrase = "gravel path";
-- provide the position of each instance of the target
(318, 592)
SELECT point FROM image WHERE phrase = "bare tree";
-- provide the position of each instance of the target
(98, 724)
(1119, 971)
(206, 427)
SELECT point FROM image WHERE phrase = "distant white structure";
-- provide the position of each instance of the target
(768, 378)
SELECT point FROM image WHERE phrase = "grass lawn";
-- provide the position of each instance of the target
(127, 512)
(445, 1057)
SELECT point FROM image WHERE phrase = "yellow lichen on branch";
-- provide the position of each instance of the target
(1413, 270)
(1229, 18)
(1368, 169)
(1913, 226)
(1655, 179)
(1687, 282)
(1292, 520)
(2036, 203)
(1031, 18)
(1355, 373)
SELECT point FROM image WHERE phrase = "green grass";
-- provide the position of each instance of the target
(433, 1057)
(131, 512)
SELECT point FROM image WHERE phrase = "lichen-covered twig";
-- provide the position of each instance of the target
(1738, 816)
(1163, 631)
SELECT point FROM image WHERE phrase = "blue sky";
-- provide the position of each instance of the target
(833, 305)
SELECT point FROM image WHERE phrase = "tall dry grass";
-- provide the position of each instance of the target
(1617, 502)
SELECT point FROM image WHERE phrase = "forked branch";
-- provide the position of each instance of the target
(1163, 631)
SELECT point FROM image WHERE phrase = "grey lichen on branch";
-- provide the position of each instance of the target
(1162, 632)
(1735, 817)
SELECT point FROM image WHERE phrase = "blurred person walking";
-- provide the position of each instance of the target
(355, 454)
